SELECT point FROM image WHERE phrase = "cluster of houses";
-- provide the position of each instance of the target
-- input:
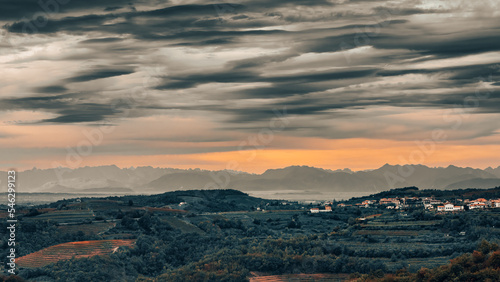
(480, 203)
(429, 203)
(483, 203)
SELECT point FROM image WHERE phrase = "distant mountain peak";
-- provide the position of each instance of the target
(296, 178)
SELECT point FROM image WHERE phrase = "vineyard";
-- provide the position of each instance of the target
(45, 210)
(373, 216)
(104, 205)
(87, 229)
(162, 210)
(182, 225)
(67, 251)
(299, 277)
(402, 223)
(65, 216)
(392, 232)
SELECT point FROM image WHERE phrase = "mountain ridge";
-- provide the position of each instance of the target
(151, 180)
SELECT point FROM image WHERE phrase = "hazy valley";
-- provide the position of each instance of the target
(293, 183)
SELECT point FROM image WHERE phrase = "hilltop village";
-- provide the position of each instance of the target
(430, 203)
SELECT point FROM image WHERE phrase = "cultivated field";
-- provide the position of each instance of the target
(299, 278)
(87, 229)
(162, 210)
(70, 250)
(65, 216)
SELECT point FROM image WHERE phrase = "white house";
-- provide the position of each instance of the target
(477, 206)
(315, 210)
(450, 207)
(495, 203)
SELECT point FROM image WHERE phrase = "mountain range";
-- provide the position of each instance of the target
(150, 180)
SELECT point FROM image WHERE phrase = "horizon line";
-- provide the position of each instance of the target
(242, 171)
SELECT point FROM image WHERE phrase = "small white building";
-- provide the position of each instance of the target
(450, 208)
(315, 210)
(495, 203)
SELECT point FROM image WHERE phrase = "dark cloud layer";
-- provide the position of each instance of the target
(51, 89)
(94, 74)
(314, 57)
(28, 9)
(71, 108)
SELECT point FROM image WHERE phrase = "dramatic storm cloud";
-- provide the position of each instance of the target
(260, 83)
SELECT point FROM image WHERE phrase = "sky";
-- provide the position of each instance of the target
(249, 85)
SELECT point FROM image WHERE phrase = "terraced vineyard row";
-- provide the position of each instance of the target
(87, 229)
(164, 210)
(392, 232)
(69, 250)
(402, 223)
(65, 216)
(300, 277)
